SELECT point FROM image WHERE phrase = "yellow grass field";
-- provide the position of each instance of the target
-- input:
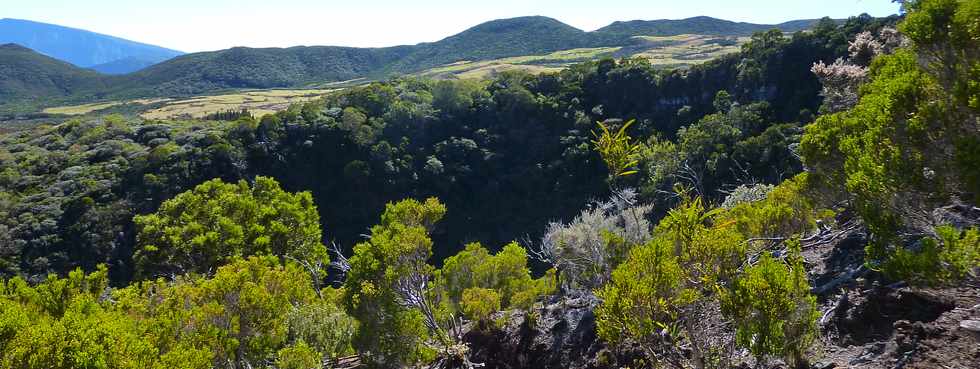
(672, 51)
(686, 50)
(553, 62)
(258, 102)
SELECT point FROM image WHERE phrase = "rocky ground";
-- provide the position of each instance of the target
(864, 324)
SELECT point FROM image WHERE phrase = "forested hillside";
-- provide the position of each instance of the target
(242, 67)
(26, 77)
(809, 202)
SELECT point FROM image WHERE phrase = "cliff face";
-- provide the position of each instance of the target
(560, 335)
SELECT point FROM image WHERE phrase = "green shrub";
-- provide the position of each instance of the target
(200, 229)
(298, 356)
(391, 333)
(952, 257)
(479, 303)
(773, 310)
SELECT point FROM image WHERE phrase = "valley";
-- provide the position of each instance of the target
(690, 193)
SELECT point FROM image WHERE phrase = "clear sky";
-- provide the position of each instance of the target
(200, 25)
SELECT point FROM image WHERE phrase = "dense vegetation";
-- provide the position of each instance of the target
(202, 244)
(492, 151)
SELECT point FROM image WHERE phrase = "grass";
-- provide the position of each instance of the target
(662, 51)
(532, 63)
(686, 50)
(258, 102)
(81, 109)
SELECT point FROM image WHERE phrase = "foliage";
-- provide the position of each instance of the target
(787, 210)
(657, 296)
(216, 221)
(68, 193)
(504, 275)
(478, 303)
(773, 310)
(382, 268)
(695, 279)
(899, 153)
(236, 319)
(298, 356)
(952, 256)
(617, 150)
(323, 325)
(585, 250)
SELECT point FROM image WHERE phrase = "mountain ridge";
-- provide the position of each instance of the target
(243, 67)
(82, 48)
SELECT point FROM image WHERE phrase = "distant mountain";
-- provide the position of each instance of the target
(298, 66)
(695, 25)
(82, 48)
(122, 66)
(243, 67)
(497, 39)
(28, 75)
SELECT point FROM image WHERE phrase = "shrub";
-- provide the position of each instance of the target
(665, 289)
(773, 310)
(200, 229)
(586, 250)
(298, 356)
(953, 256)
(385, 286)
(479, 303)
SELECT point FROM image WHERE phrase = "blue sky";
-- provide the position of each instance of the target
(200, 25)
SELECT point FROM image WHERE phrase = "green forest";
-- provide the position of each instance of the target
(394, 221)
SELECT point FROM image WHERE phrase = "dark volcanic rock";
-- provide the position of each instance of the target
(561, 335)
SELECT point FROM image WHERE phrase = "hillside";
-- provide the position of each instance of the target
(242, 67)
(122, 66)
(621, 31)
(26, 75)
(496, 39)
(251, 68)
(80, 47)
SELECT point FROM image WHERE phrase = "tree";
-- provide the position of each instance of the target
(386, 285)
(201, 229)
(906, 154)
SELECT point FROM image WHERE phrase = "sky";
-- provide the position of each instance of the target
(203, 25)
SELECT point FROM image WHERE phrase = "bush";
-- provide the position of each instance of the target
(383, 290)
(298, 356)
(586, 250)
(200, 229)
(506, 274)
(953, 256)
(323, 326)
(666, 288)
(773, 310)
(479, 303)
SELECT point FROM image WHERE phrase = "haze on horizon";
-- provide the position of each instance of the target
(203, 25)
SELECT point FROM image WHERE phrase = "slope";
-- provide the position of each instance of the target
(622, 31)
(79, 47)
(26, 76)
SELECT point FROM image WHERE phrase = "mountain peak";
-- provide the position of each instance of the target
(14, 47)
(518, 24)
(76, 46)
